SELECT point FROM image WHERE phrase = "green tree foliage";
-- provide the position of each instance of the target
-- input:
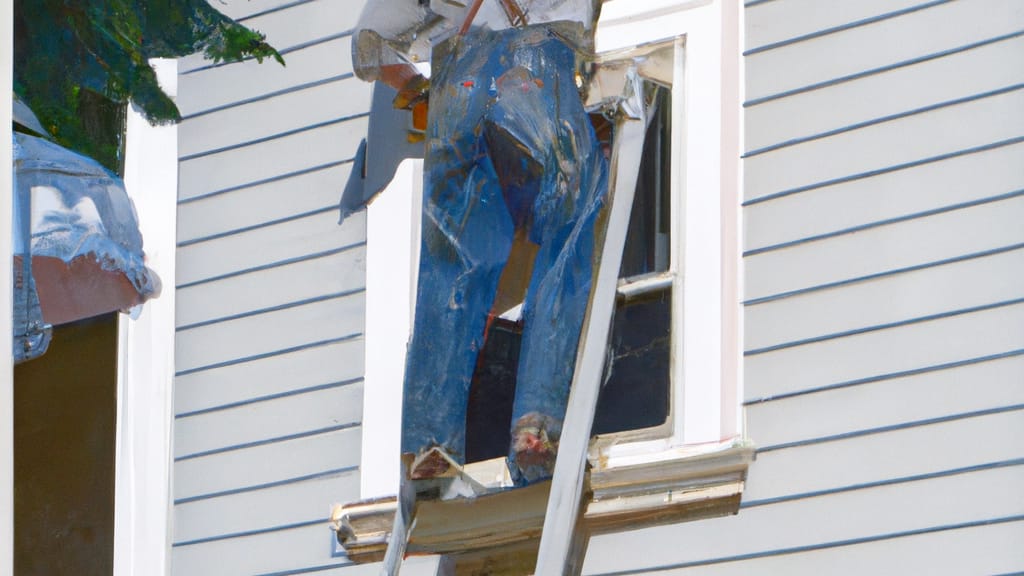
(78, 62)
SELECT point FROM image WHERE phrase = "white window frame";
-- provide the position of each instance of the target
(705, 412)
(6, 297)
(704, 257)
(145, 354)
(142, 497)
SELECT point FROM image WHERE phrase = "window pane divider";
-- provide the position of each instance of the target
(638, 286)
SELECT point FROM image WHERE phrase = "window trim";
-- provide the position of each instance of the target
(145, 353)
(706, 389)
(704, 227)
(6, 298)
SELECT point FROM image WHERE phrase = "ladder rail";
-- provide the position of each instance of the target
(563, 539)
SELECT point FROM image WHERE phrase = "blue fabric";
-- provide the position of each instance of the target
(68, 207)
(509, 146)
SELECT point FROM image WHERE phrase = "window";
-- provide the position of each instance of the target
(677, 313)
(635, 392)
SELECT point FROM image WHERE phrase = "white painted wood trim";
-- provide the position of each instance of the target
(732, 145)
(707, 351)
(142, 489)
(621, 499)
(392, 263)
(698, 417)
(6, 299)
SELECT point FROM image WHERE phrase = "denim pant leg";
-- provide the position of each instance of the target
(467, 235)
(540, 106)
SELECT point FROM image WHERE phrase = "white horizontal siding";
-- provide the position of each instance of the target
(318, 365)
(245, 9)
(773, 22)
(328, 102)
(274, 463)
(883, 259)
(213, 88)
(972, 550)
(934, 395)
(261, 204)
(268, 421)
(910, 139)
(889, 456)
(256, 162)
(839, 517)
(270, 298)
(897, 194)
(282, 553)
(912, 243)
(269, 332)
(880, 44)
(930, 83)
(338, 273)
(885, 353)
(296, 503)
(305, 22)
(924, 293)
(286, 241)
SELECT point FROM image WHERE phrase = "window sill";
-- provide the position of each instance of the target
(670, 487)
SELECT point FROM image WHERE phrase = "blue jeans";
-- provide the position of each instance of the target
(509, 148)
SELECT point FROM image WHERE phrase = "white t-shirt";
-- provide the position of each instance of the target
(403, 31)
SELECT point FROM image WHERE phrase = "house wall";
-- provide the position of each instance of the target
(884, 320)
(884, 298)
(270, 296)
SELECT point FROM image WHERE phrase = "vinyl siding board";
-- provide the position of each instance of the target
(772, 22)
(272, 375)
(272, 158)
(264, 333)
(899, 298)
(930, 396)
(883, 315)
(329, 102)
(879, 97)
(266, 464)
(896, 456)
(884, 146)
(297, 503)
(270, 421)
(885, 354)
(280, 244)
(302, 22)
(270, 299)
(263, 204)
(280, 551)
(822, 521)
(970, 550)
(879, 45)
(303, 550)
(208, 89)
(338, 273)
(914, 243)
(907, 193)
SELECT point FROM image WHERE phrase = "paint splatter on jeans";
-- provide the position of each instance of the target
(509, 147)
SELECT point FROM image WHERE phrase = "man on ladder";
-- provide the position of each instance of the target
(512, 163)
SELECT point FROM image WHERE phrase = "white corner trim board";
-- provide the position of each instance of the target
(142, 488)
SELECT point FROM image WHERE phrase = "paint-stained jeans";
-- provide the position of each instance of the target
(509, 146)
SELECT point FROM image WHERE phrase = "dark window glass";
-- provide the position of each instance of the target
(647, 240)
(635, 392)
(636, 389)
(489, 412)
